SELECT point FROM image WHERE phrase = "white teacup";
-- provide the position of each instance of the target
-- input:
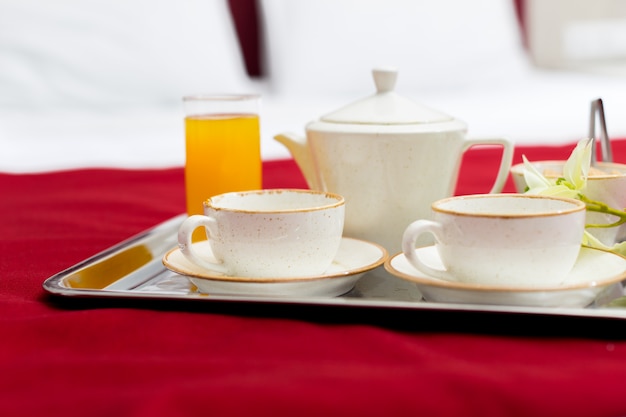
(507, 240)
(268, 233)
(608, 187)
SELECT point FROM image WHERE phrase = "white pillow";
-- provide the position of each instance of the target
(330, 46)
(116, 52)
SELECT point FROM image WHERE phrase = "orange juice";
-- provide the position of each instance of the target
(223, 154)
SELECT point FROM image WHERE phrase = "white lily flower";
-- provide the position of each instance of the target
(572, 185)
(575, 172)
(538, 184)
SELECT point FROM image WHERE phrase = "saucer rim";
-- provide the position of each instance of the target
(425, 279)
(216, 276)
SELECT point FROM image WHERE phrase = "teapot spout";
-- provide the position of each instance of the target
(298, 148)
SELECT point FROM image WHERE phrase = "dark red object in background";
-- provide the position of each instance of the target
(248, 25)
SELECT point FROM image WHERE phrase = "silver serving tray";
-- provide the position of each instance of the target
(132, 270)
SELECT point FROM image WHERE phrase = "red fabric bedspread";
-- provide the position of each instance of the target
(105, 359)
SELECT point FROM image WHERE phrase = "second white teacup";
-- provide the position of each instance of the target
(268, 233)
(507, 240)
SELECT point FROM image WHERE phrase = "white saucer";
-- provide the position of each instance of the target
(594, 272)
(354, 258)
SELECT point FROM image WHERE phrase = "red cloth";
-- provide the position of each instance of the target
(99, 359)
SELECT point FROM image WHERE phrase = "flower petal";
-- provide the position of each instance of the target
(534, 179)
(560, 191)
(576, 168)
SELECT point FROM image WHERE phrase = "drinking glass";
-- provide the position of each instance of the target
(223, 150)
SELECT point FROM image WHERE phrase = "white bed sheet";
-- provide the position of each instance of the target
(310, 74)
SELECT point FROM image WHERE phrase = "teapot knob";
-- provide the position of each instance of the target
(385, 79)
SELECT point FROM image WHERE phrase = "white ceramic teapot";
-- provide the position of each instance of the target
(389, 157)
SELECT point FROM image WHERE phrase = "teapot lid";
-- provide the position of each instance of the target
(386, 107)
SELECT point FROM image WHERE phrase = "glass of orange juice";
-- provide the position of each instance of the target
(223, 146)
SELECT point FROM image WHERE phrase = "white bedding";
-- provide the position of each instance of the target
(66, 104)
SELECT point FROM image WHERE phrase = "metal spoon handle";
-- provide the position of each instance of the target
(597, 108)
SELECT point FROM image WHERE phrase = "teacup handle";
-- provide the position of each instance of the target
(505, 161)
(409, 239)
(185, 244)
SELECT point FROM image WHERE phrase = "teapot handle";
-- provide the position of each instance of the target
(505, 161)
